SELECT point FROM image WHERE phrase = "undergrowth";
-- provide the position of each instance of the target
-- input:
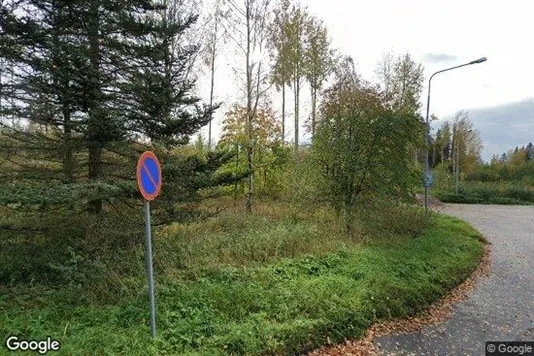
(263, 284)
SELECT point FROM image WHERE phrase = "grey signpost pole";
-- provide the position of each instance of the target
(148, 235)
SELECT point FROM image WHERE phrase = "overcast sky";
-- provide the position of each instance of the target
(441, 34)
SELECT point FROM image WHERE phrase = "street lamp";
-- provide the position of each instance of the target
(428, 178)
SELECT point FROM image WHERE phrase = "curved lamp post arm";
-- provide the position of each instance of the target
(480, 60)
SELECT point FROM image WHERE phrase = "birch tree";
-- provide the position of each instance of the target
(385, 75)
(215, 35)
(319, 60)
(401, 82)
(466, 143)
(295, 32)
(279, 51)
(247, 25)
(407, 84)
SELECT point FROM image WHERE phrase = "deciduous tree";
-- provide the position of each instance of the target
(215, 34)
(268, 150)
(362, 146)
(466, 143)
(248, 28)
(279, 50)
(319, 59)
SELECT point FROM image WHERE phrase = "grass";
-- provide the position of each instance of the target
(239, 240)
(265, 284)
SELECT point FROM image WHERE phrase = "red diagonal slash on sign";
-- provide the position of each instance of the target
(150, 176)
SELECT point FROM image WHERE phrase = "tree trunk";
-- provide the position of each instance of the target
(296, 87)
(96, 118)
(283, 112)
(314, 108)
(212, 80)
(296, 81)
(68, 158)
(349, 217)
(236, 169)
(249, 112)
(95, 172)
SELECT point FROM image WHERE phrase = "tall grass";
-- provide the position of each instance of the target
(269, 283)
(237, 240)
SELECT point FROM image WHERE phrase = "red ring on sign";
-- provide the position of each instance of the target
(140, 164)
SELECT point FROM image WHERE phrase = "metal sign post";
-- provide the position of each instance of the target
(149, 181)
(148, 240)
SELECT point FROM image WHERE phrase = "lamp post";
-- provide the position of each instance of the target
(428, 178)
(457, 170)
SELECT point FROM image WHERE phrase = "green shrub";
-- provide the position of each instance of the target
(488, 193)
(42, 248)
(93, 257)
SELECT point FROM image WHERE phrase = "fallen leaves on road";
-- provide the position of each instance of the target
(436, 314)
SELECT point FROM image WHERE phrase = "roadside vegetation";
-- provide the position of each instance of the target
(461, 177)
(476, 192)
(261, 244)
(250, 284)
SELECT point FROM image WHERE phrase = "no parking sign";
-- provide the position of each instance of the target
(149, 180)
(149, 175)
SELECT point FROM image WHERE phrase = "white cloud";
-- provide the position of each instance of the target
(464, 29)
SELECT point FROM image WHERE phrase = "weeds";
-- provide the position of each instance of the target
(285, 289)
(240, 240)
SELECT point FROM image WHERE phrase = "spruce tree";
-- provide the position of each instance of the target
(86, 87)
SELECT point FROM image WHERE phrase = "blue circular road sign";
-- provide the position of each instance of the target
(149, 175)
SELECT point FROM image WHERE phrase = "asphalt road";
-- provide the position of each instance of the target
(502, 305)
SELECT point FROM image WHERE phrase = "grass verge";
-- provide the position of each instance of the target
(277, 304)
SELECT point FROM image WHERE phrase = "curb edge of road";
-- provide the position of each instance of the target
(436, 313)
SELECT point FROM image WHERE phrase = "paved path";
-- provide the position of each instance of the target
(502, 306)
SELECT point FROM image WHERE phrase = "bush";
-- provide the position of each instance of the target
(304, 185)
(488, 193)
(458, 198)
(42, 248)
(94, 254)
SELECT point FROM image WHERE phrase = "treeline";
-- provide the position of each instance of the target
(395, 96)
(516, 165)
(88, 85)
(461, 176)
(279, 46)
(456, 148)
(456, 145)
